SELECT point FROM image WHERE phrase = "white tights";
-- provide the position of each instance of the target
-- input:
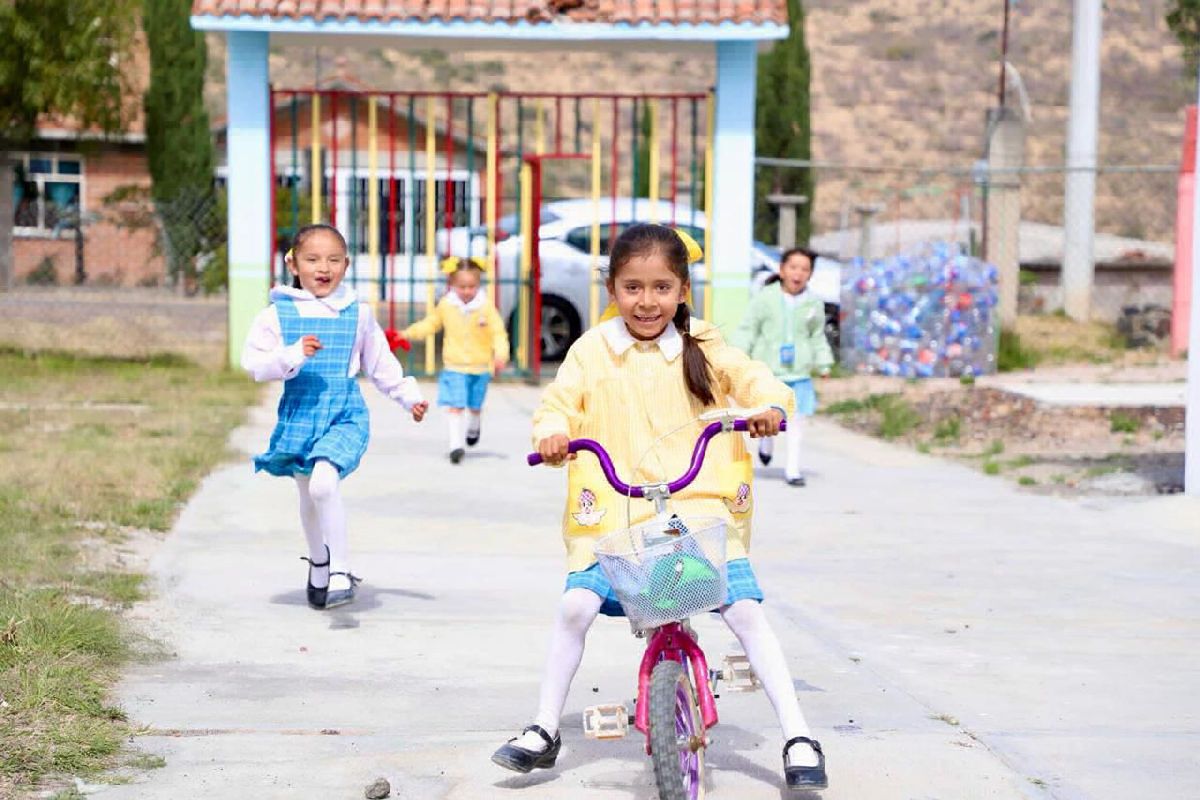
(795, 441)
(324, 521)
(577, 611)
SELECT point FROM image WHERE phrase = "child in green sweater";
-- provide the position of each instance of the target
(784, 327)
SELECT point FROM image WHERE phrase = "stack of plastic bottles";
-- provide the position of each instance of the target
(931, 312)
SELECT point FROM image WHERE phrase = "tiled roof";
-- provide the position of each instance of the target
(670, 12)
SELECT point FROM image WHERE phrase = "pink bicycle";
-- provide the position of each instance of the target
(663, 572)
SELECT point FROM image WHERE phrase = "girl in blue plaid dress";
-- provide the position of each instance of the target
(316, 337)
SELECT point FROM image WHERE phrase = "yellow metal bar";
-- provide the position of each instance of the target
(430, 221)
(654, 165)
(317, 171)
(594, 274)
(710, 143)
(539, 128)
(492, 209)
(528, 230)
(373, 192)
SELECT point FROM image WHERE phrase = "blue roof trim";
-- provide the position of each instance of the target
(520, 29)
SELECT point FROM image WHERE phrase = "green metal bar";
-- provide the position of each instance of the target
(579, 126)
(294, 180)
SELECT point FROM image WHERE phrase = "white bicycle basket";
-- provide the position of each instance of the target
(666, 573)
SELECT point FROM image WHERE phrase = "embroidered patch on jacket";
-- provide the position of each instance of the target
(741, 503)
(588, 515)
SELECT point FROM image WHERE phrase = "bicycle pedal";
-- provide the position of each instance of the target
(608, 721)
(738, 674)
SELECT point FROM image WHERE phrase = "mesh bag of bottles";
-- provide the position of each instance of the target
(927, 313)
(666, 572)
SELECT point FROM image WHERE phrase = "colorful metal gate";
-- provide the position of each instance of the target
(413, 177)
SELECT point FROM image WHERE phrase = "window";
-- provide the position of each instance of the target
(581, 238)
(47, 195)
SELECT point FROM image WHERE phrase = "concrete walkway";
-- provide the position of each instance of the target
(951, 636)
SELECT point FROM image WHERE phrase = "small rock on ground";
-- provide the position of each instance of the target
(378, 790)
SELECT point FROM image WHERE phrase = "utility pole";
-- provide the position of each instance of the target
(1079, 203)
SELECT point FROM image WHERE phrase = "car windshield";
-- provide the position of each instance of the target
(509, 223)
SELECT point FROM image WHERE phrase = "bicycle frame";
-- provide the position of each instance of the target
(670, 641)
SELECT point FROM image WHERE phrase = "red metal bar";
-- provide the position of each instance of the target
(674, 157)
(333, 98)
(389, 272)
(525, 95)
(616, 169)
(274, 226)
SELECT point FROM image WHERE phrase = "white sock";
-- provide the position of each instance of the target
(473, 423)
(324, 488)
(749, 624)
(319, 576)
(766, 446)
(795, 439)
(576, 612)
(457, 438)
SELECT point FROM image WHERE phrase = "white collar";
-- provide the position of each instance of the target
(619, 339)
(476, 302)
(340, 298)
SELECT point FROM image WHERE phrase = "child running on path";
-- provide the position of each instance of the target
(784, 327)
(475, 345)
(316, 337)
(626, 383)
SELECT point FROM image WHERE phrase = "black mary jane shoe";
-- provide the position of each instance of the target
(340, 597)
(797, 481)
(456, 455)
(316, 597)
(519, 759)
(472, 438)
(764, 457)
(805, 777)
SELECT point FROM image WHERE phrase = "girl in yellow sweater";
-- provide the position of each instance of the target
(629, 382)
(474, 346)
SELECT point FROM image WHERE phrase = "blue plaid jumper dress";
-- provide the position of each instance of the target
(322, 414)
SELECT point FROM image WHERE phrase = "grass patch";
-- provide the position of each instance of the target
(1019, 462)
(1057, 339)
(991, 467)
(995, 448)
(1120, 422)
(68, 464)
(1011, 353)
(948, 430)
(897, 417)
(1027, 480)
(855, 405)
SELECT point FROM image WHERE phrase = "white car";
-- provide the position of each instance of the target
(566, 262)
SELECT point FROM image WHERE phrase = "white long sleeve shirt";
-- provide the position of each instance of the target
(268, 358)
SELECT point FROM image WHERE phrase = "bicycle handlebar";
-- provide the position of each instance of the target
(610, 472)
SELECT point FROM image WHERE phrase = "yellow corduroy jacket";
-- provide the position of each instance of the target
(474, 333)
(626, 394)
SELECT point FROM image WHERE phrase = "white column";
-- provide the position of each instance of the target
(249, 184)
(732, 215)
(1079, 211)
(1191, 448)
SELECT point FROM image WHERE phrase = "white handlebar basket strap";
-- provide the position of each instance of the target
(666, 573)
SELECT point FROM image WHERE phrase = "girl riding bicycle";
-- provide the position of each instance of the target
(628, 383)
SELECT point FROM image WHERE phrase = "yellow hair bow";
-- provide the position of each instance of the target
(452, 264)
(695, 251)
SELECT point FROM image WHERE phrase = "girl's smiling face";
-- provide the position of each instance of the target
(647, 293)
(319, 262)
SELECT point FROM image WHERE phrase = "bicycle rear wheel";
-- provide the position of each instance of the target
(676, 733)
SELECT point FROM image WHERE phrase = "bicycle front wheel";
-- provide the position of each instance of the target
(676, 733)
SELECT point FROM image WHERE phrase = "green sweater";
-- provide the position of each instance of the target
(764, 330)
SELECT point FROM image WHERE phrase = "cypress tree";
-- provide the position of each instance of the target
(784, 129)
(179, 143)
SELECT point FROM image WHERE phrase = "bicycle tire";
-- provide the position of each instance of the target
(676, 733)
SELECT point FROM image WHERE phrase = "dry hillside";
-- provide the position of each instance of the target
(905, 82)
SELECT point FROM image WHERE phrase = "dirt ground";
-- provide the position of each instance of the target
(1046, 448)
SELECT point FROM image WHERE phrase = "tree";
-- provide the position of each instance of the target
(179, 143)
(784, 129)
(1184, 21)
(61, 58)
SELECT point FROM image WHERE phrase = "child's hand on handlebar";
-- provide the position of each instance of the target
(554, 450)
(764, 424)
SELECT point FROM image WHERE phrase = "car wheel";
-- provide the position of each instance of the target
(833, 329)
(560, 328)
